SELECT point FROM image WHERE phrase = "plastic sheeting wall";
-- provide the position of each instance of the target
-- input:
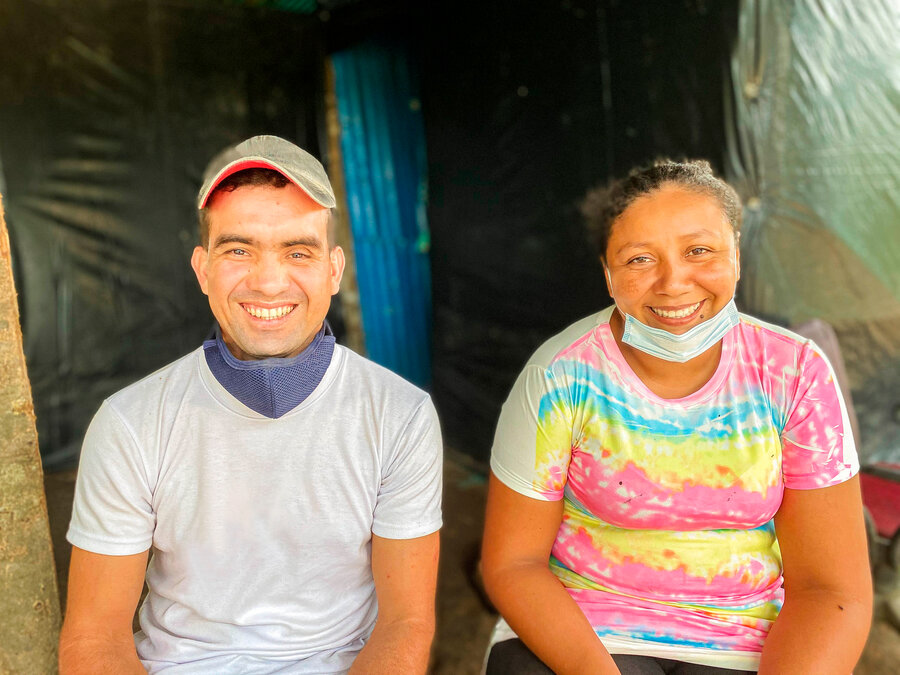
(814, 149)
(524, 111)
(383, 150)
(109, 112)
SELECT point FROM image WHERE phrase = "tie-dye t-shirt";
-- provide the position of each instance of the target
(667, 541)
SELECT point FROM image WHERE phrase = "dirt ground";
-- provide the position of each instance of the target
(464, 621)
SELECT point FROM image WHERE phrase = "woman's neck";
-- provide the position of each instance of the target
(667, 379)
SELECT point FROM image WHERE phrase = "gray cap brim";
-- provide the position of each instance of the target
(270, 152)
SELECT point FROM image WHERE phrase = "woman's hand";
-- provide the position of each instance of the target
(823, 625)
(518, 535)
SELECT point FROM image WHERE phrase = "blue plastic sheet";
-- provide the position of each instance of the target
(383, 149)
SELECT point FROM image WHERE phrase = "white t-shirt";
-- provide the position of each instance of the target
(260, 528)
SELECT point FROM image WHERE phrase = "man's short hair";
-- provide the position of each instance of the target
(255, 177)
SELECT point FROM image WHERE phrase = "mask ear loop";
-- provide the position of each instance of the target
(609, 288)
(734, 260)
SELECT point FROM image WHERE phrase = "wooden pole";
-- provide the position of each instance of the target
(29, 601)
(352, 313)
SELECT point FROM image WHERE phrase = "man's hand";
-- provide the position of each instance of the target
(405, 572)
(103, 593)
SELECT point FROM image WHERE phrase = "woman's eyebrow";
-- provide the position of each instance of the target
(633, 244)
(702, 232)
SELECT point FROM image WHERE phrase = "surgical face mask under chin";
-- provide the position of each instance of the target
(679, 348)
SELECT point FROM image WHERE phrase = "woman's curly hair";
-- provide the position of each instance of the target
(603, 205)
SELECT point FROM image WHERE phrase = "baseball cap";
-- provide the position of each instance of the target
(269, 152)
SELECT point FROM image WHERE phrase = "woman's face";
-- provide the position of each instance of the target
(672, 260)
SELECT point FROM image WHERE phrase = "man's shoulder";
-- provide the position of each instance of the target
(174, 375)
(376, 379)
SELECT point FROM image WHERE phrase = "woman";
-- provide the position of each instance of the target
(650, 452)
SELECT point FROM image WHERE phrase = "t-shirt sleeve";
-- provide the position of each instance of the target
(533, 442)
(409, 499)
(112, 513)
(817, 441)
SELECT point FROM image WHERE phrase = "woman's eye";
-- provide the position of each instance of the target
(698, 250)
(639, 259)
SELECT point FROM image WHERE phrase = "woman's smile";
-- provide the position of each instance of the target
(672, 259)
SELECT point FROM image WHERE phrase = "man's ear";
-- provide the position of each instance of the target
(199, 259)
(337, 262)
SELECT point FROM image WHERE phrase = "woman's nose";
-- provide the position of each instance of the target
(673, 277)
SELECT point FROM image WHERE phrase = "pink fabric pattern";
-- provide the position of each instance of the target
(667, 534)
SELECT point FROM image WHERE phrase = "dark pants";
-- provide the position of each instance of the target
(512, 657)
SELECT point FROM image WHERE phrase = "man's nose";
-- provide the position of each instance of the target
(268, 277)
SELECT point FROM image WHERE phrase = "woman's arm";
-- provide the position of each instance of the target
(828, 588)
(518, 535)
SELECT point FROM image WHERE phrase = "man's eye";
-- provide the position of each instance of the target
(639, 259)
(298, 255)
(698, 250)
(238, 251)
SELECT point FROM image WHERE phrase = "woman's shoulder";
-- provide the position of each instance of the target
(572, 335)
(783, 353)
(775, 340)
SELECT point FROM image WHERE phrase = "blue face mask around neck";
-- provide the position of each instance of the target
(275, 386)
(680, 348)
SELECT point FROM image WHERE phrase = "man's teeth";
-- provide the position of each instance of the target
(268, 313)
(678, 313)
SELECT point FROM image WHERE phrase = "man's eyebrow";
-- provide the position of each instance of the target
(223, 239)
(309, 241)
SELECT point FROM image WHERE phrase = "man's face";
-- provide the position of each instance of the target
(268, 272)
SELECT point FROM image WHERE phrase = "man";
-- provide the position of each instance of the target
(281, 481)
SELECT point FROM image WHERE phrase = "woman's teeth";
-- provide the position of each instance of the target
(676, 314)
(268, 313)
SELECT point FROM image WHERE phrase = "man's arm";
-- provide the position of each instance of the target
(827, 586)
(103, 593)
(405, 572)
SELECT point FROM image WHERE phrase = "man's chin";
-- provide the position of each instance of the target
(259, 350)
(260, 353)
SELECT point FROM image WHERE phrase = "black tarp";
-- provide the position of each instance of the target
(108, 113)
(524, 111)
(107, 120)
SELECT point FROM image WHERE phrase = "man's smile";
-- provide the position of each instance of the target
(267, 313)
